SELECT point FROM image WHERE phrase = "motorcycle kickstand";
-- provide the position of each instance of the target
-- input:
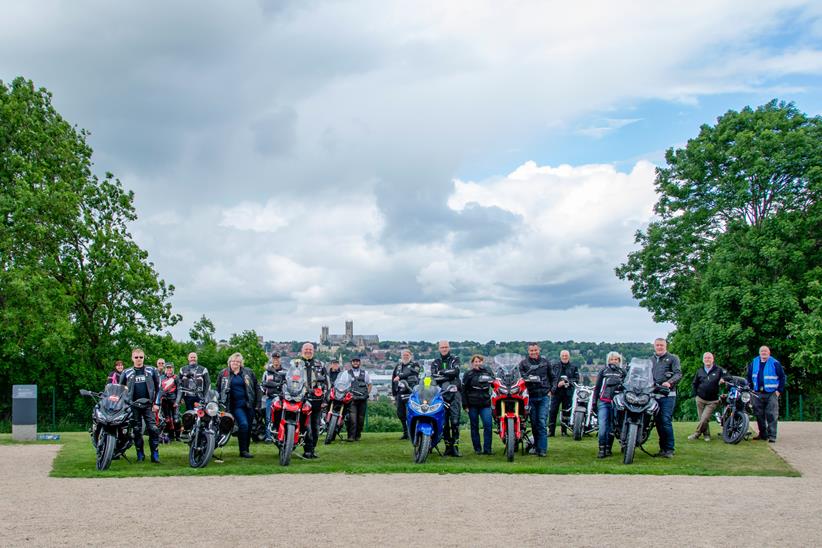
(218, 460)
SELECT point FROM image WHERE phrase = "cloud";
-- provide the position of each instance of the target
(610, 125)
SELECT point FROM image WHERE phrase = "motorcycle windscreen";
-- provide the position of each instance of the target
(294, 385)
(343, 383)
(507, 368)
(114, 398)
(640, 376)
(426, 391)
(211, 396)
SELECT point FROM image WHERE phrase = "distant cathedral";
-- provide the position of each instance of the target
(348, 338)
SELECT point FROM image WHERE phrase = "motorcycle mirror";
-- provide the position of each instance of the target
(84, 392)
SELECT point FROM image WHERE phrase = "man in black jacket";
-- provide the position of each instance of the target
(706, 391)
(563, 390)
(194, 382)
(404, 378)
(539, 378)
(272, 386)
(667, 373)
(143, 383)
(318, 388)
(446, 367)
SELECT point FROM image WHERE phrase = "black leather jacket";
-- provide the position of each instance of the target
(251, 389)
(449, 368)
(569, 370)
(409, 372)
(608, 383)
(542, 369)
(152, 383)
(316, 376)
(195, 380)
(475, 387)
(272, 381)
(170, 388)
(667, 369)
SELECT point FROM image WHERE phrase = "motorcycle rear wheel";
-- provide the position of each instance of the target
(579, 419)
(422, 448)
(510, 440)
(735, 427)
(288, 446)
(201, 449)
(105, 450)
(630, 444)
(331, 433)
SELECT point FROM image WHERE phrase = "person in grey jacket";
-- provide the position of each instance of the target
(667, 373)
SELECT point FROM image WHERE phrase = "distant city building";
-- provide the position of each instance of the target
(349, 338)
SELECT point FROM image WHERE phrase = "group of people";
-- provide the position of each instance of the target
(550, 387)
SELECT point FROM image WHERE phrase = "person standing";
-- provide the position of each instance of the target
(767, 377)
(447, 367)
(170, 398)
(539, 378)
(667, 373)
(563, 391)
(404, 378)
(318, 388)
(238, 392)
(705, 391)
(608, 382)
(143, 383)
(272, 386)
(476, 387)
(360, 390)
(333, 370)
(114, 376)
(194, 382)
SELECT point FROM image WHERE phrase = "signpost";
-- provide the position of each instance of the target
(24, 412)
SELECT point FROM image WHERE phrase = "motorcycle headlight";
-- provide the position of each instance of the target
(503, 390)
(212, 409)
(636, 399)
(514, 390)
(746, 397)
(415, 406)
(582, 396)
(434, 408)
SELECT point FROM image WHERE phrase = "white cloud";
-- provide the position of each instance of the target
(610, 125)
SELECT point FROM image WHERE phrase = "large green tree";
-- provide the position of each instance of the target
(735, 253)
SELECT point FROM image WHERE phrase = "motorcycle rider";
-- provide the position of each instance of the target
(333, 370)
(272, 386)
(360, 389)
(408, 371)
(608, 383)
(143, 382)
(705, 391)
(195, 382)
(316, 377)
(563, 391)
(539, 390)
(170, 398)
(238, 391)
(667, 373)
(114, 376)
(476, 386)
(447, 366)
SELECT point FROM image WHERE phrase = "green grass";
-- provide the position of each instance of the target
(385, 453)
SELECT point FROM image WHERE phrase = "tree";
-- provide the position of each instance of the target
(202, 332)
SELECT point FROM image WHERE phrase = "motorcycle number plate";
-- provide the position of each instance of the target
(114, 398)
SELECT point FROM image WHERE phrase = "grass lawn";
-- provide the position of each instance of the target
(383, 453)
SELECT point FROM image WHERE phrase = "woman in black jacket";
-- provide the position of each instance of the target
(608, 382)
(476, 387)
(239, 391)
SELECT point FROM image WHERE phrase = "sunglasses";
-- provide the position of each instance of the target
(139, 357)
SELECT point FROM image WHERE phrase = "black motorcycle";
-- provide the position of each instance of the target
(636, 407)
(210, 426)
(111, 428)
(735, 417)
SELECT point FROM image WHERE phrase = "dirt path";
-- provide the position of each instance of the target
(404, 509)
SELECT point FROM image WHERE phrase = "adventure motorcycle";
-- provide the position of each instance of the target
(425, 418)
(339, 399)
(210, 426)
(290, 413)
(735, 417)
(636, 407)
(581, 416)
(111, 417)
(509, 403)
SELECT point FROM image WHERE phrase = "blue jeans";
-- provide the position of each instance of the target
(664, 423)
(474, 414)
(539, 419)
(605, 418)
(242, 418)
(268, 402)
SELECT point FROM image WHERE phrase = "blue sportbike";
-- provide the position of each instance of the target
(426, 418)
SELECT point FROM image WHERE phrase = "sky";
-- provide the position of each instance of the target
(461, 170)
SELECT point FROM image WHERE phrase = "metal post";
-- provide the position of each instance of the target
(53, 409)
(787, 405)
(801, 410)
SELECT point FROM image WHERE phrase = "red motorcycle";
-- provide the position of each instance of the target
(341, 396)
(509, 403)
(291, 412)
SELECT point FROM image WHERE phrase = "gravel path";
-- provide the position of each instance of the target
(398, 510)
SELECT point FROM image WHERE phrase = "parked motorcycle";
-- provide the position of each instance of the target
(291, 412)
(636, 407)
(210, 426)
(581, 416)
(735, 418)
(425, 418)
(509, 403)
(339, 399)
(111, 423)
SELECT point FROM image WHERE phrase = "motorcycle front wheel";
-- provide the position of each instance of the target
(735, 427)
(105, 450)
(331, 433)
(288, 446)
(630, 444)
(510, 440)
(579, 421)
(422, 447)
(201, 449)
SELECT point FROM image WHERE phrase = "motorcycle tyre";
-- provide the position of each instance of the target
(630, 444)
(510, 440)
(739, 421)
(105, 454)
(422, 448)
(288, 446)
(201, 461)
(331, 433)
(579, 419)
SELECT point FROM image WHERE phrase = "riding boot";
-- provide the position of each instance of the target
(608, 446)
(449, 450)
(455, 449)
(602, 452)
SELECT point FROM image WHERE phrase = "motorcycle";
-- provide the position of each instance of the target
(636, 407)
(210, 426)
(165, 425)
(425, 418)
(111, 423)
(339, 399)
(735, 418)
(290, 414)
(581, 416)
(509, 403)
